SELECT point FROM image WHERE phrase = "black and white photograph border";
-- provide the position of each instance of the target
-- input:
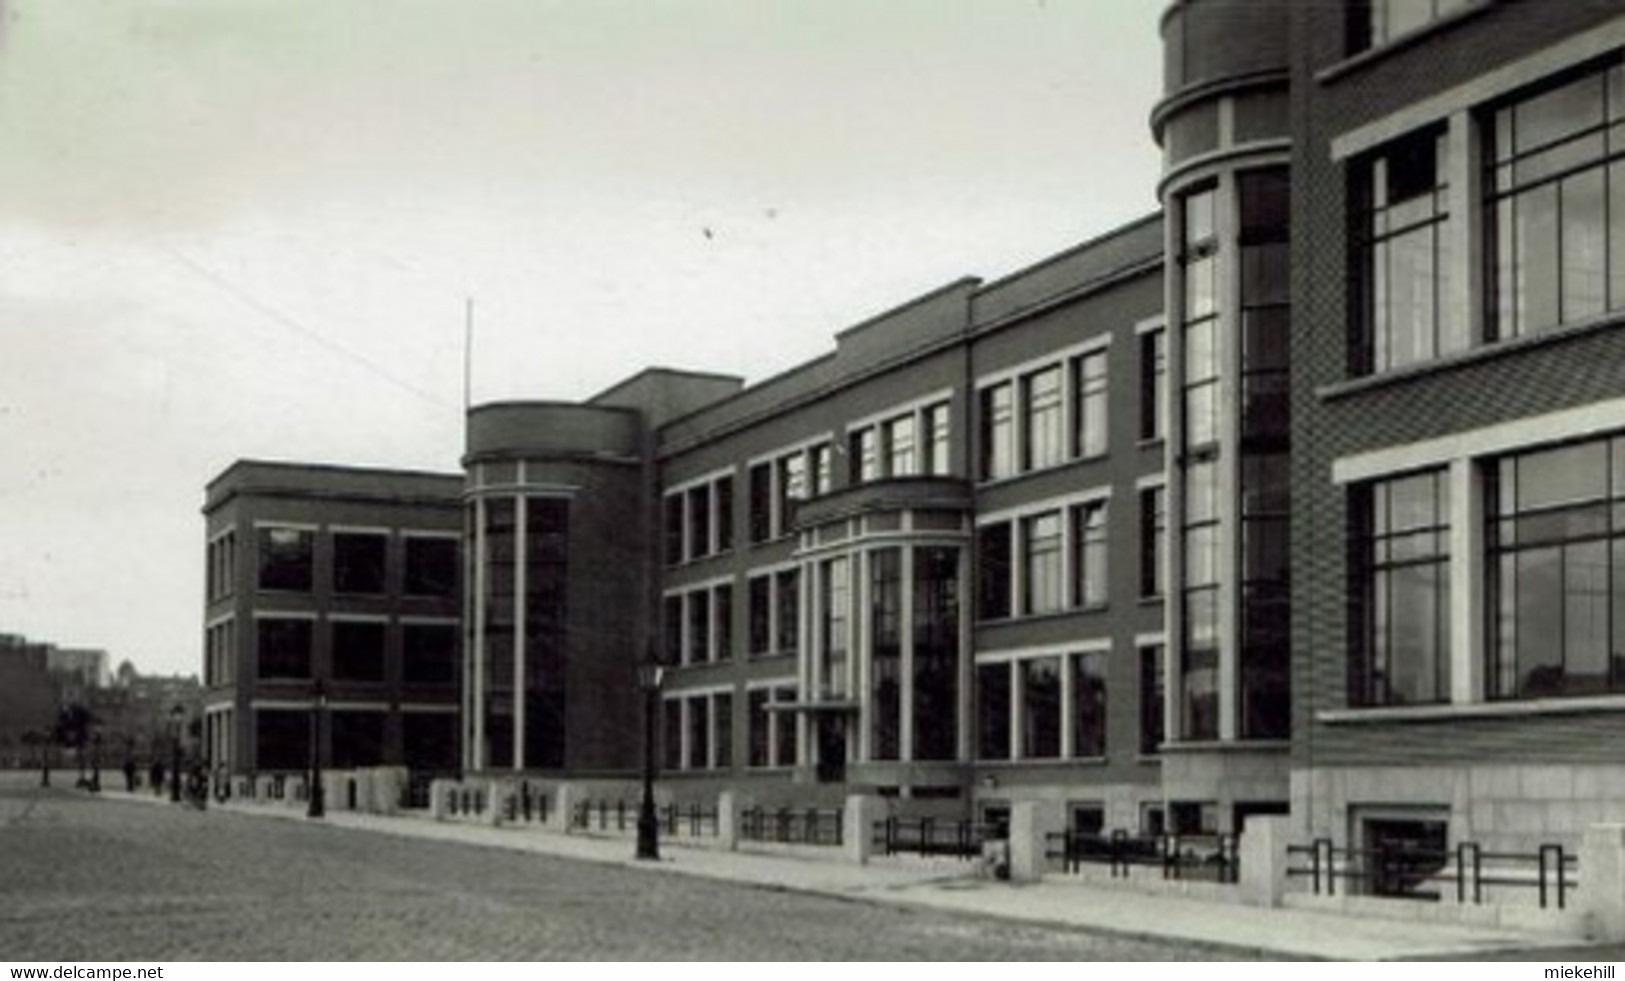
(1079, 480)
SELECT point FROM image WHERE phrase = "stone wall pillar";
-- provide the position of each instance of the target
(857, 826)
(1026, 842)
(728, 820)
(1263, 858)
(439, 791)
(564, 806)
(496, 798)
(1602, 880)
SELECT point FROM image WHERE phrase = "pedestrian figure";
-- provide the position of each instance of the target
(129, 775)
(157, 776)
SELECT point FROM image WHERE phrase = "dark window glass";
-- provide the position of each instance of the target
(1153, 383)
(358, 563)
(725, 513)
(699, 733)
(1089, 705)
(994, 563)
(784, 729)
(1405, 218)
(936, 653)
(1040, 708)
(287, 558)
(1153, 541)
(993, 711)
(281, 740)
(724, 602)
(1152, 698)
(761, 502)
(886, 653)
(357, 739)
(699, 626)
(429, 741)
(673, 620)
(788, 586)
(699, 522)
(760, 727)
(998, 431)
(431, 567)
(284, 648)
(759, 599)
(723, 708)
(429, 653)
(358, 650)
(674, 529)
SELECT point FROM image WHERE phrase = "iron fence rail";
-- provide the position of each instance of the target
(1178, 857)
(1552, 871)
(933, 836)
(796, 826)
(621, 815)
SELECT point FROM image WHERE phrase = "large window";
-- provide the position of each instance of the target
(429, 653)
(699, 519)
(835, 599)
(936, 653)
(1089, 554)
(284, 648)
(909, 443)
(1041, 708)
(287, 558)
(1402, 592)
(222, 571)
(886, 653)
(358, 562)
(1041, 558)
(1557, 571)
(1403, 201)
(1044, 562)
(1199, 265)
(777, 485)
(994, 552)
(1089, 404)
(1153, 383)
(1044, 416)
(431, 566)
(1556, 206)
(998, 432)
(358, 649)
(1376, 22)
(1153, 541)
(1088, 704)
(1022, 707)
(1041, 410)
(1153, 695)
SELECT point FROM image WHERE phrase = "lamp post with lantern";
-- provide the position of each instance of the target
(650, 675)
(177, 718)
(318, 705)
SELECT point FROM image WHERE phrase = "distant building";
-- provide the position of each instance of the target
(339, 583)
(28, 697)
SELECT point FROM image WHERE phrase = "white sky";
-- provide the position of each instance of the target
(246, 228)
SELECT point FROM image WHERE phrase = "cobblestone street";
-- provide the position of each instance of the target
(94, 879)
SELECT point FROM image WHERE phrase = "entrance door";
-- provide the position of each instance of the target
(831, 749)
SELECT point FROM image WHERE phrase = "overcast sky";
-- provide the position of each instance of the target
(247, 228)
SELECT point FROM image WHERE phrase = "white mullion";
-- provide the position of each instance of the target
(1069, 701)
(1015, 709)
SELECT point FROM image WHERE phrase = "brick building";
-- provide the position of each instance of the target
(339, 583)
(1300, 494)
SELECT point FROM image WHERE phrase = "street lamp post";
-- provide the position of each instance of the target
(96, 761)
(177, 717)
(650, 676)
(318, 704)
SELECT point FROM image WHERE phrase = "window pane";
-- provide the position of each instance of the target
(1041, 708)
(1089, 705)
(993, 711)
(358, 563)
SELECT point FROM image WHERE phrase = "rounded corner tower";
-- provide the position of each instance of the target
(1224, 125)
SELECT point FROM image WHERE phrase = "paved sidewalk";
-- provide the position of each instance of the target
(954, 886)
